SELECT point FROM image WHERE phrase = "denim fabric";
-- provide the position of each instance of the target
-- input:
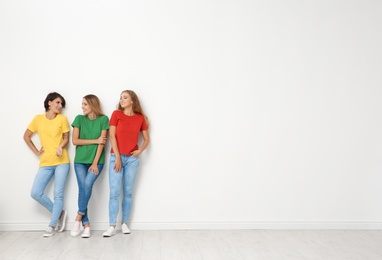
(85, 180)
(43, 177)
(125, 178)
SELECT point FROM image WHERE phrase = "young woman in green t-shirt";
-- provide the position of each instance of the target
(89, 136)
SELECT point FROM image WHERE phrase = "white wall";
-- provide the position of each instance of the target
(264, 114)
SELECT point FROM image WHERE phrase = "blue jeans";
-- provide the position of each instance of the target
(125, 176)
(43, 177)
(85, 180)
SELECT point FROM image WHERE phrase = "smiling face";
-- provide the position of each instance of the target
(51, 101)
(55, 105)
(86, 109)
(125, 100)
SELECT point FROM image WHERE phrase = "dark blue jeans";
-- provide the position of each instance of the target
(85, 180)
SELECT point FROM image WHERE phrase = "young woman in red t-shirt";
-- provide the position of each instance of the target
(126, 125)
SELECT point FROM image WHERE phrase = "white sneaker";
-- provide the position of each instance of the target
(61, 221)
(125, 229)
(86, 233)
(49, 232)
(76, 229)
(110, 232)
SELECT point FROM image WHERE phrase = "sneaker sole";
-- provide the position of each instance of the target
(63, 222)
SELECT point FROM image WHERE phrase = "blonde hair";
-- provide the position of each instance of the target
(95, 104)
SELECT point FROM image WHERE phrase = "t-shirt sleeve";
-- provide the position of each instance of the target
(114, 118)
(144, 125)
(65, 125)
(105, 123)
(76, 122)
(33, 125)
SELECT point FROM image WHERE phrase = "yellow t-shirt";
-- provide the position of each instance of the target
(51, 133)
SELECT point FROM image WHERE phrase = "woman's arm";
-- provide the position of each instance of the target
(146, 141)
(94, 166)
(77, 141)
(114, 145)
(28, 140)
(65, 141)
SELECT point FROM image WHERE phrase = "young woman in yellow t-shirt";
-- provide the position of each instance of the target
(53, 130)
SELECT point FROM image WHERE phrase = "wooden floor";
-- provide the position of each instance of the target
(197, 244)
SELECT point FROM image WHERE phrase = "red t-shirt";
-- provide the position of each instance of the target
(127, 131)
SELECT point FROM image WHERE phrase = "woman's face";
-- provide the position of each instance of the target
(125, 100)
(85, 107)
(55, 105)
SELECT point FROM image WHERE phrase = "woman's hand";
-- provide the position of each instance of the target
(117, 164)
(102, 140)
(94, 168)
(59, 152)
(40, 152)
(136, 153)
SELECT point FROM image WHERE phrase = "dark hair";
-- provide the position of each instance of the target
(52, 96)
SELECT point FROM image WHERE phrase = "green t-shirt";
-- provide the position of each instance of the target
(89, 129)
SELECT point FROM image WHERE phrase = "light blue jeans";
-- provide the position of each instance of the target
(44, 175)
(85, 180)
(126, 178)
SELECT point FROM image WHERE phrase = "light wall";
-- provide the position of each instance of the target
(264, 114)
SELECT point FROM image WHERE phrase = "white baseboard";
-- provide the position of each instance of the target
(208, 225)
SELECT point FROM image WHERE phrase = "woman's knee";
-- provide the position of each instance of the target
(35, 194)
